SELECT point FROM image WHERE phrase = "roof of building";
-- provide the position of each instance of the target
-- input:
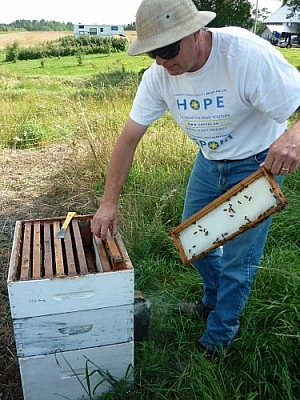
(280, 16)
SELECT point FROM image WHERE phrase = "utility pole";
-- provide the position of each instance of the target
(255, 19)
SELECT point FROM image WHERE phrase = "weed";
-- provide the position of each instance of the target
(120, 388)
(30, 135)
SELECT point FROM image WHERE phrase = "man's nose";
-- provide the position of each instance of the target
(160, 61)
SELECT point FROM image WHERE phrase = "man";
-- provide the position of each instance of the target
(232, 93)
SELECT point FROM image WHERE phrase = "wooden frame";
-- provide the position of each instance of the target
(242, 207)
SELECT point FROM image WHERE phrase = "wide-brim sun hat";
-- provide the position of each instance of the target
(162, 22)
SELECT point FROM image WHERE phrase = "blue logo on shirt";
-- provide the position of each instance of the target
(206, 103)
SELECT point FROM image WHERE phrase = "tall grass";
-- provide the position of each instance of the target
(264, 360)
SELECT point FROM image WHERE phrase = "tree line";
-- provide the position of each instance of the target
(43, 25)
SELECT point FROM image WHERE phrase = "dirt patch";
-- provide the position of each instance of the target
(27, 39)
(35, 184)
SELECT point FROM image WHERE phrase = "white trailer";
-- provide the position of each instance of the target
(98, 30)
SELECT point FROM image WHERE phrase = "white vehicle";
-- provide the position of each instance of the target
(295, 42)
(98, 30)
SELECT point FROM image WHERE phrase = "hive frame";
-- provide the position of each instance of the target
(242, 207)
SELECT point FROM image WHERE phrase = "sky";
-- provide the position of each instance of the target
(119, 12)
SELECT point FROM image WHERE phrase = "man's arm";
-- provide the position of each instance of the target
(118, 169)
(284, 154)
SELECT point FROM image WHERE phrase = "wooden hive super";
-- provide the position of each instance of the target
(71, 300)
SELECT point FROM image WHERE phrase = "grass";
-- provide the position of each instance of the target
(292, 55)
(264, 360)
(69, 67)
(85, 107)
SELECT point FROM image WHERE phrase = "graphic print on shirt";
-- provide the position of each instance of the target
(203, 116)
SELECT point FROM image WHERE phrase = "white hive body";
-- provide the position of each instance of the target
(71, 299)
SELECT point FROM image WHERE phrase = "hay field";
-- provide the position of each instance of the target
(27, 39)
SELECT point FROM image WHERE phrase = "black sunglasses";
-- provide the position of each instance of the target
(167, 52)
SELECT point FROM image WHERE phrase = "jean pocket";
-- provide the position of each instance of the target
(260, 157)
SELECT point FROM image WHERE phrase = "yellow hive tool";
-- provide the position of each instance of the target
(62, 232)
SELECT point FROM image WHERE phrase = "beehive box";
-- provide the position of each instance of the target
(73, 297)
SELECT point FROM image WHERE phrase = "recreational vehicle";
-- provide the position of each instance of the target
(98, 30)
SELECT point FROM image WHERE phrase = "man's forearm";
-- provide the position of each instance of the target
(119, 166)
(118, 170)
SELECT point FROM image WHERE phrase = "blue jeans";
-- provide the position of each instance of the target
(227, 272)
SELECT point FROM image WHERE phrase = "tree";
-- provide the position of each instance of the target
(262, 14)
(294, 5)
(130, 27)
(12, 51)
(229, 12)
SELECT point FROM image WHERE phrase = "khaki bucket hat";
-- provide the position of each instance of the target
(162, 22)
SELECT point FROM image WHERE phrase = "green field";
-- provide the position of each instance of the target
(68, 66)
(78, 111)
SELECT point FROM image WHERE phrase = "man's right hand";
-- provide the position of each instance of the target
(105, 218)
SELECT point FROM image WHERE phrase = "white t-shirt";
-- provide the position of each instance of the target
(235, 106)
